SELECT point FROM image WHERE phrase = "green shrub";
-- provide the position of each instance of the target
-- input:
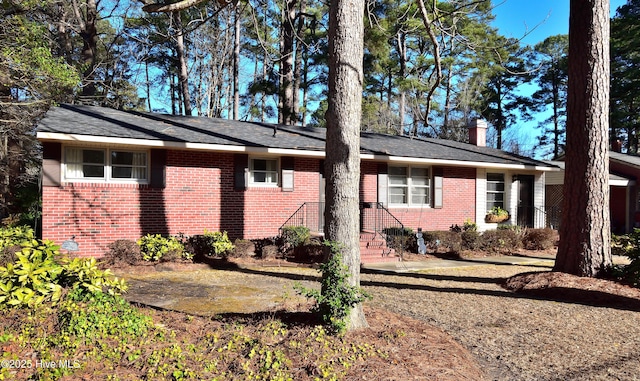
(33, 278)
(628, 245)
(97, 315)
(210, 244)
(539, 239)
(123, 250)
(11, 238)
(501, 240)
(294, 236)
(15, 236)
(154, 246)
(39, 275)
(337, 297)
(468, 225)
(84, 276)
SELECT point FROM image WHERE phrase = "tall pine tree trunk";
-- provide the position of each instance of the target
(183, 76)
(585, 234)
(401, 40)
(299, 49)
(287, 116)
(236, 65)
(342, 164)
(89, 34)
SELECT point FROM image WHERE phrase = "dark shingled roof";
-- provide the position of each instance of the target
(629, 159)
(99, 121)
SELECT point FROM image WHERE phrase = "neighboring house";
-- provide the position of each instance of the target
(624, 199)
(110, 174)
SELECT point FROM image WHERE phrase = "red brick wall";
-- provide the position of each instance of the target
(459, 199)
(618, 198)
(199, 195)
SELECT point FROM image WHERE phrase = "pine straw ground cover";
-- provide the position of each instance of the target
(433, 325)
(525, 323)
(284, 342)
(274, 346)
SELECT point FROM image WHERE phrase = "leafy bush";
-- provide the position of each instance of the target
(11, 238)
(15, 236)
(123, 250)
(311, 252)
(264, 246)
(401, 239)
(96, 315)
(33, 278)
(628, 245)
(501, 240)
(38, 275)
(539, 239)
(209, 245)
(242, 248)
(84, 276)
(154, 246)
(294, 236)
(471, 240)
(468, 225)
(336, 297)
(448, 241)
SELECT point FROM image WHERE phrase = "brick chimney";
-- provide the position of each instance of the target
(616, 145)
(478, 132)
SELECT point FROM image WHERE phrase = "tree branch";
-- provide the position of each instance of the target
(166, 8)
(437, 70)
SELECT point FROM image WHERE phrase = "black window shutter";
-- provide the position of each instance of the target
(51, 156)
(158, 168)
(240, 171)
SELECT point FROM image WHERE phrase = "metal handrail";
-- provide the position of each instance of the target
(297, 216)
(374, 216)
(553, 216)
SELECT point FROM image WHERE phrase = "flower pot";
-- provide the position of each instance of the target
(493, 218)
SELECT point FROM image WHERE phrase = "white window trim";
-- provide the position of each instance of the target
(504, 191)
(107, 166)
(409, 203)
(254, 184)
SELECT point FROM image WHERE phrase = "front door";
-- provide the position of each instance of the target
(525, 200)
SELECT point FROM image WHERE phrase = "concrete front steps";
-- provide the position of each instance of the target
(373, 249)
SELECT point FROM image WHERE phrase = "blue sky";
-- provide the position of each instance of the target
(514, 18)
(533, 21)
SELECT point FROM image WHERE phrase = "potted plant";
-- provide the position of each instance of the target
(496, 215)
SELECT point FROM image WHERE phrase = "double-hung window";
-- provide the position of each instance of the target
(105, 165)
(128, 165)
(495, 190)
(409, 186)
(263, 172)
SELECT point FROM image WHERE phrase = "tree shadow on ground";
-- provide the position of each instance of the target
(586, 291)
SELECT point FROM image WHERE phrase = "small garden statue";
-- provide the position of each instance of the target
(422, 248)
